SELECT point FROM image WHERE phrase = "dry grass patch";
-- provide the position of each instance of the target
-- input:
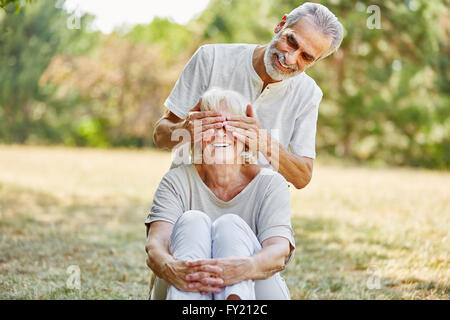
(361, 233)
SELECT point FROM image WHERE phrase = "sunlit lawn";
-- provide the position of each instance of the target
(361, 233)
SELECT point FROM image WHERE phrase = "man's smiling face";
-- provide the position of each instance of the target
(294, 48)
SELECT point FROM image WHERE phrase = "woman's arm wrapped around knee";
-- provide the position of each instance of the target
(262, 265)
(271, 258)
(157, 247)
(164, 265)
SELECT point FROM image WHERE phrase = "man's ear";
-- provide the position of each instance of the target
(281, 24)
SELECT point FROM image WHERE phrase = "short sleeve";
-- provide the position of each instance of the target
(274, 219)
(167, 204)
(192, 83)
(303, 141)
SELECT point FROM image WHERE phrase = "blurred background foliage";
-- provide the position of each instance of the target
(386, 91)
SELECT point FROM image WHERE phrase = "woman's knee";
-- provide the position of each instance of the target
(191, 236)
(195, 217)
(229, 221)
(233, 236)
(231, 228)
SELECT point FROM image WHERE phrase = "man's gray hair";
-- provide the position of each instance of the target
(323, 18)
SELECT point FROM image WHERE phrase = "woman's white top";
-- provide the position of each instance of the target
(264, 203)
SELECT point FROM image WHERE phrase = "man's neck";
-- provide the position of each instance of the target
(259, 66)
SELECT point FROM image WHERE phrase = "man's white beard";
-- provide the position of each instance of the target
(271, 68)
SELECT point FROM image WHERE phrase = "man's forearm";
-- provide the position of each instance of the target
(162, 136)
(297, 170)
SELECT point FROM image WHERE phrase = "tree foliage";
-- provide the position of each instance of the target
(28, 41)
(386, 91)
(13, 5)
(120, 88)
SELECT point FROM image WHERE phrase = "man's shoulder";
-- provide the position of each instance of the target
(307, 83)
(225, 48)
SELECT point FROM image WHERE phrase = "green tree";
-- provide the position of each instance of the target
(121, 87)
(386, 91)
(28, 41)
(173, 40)
(13, 5)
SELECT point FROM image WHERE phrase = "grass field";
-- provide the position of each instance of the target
(361, 233)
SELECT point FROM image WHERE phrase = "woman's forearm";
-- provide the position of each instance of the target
(268, 261)
(158, 257)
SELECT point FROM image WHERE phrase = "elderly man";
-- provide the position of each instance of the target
(284, 99)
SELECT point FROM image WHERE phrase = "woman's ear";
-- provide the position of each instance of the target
(281, 24)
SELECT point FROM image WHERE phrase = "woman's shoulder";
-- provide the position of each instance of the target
(178, 174)
(272, 179)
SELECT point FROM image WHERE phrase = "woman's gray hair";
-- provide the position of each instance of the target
(236, 104)
(323, 18)
(211, 101)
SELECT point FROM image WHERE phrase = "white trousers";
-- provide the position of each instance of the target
(195, 236)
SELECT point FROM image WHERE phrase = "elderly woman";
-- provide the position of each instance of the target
(220, 229)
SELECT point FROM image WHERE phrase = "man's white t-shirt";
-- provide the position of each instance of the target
(289, 106)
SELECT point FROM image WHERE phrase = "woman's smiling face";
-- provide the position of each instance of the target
(220, 146)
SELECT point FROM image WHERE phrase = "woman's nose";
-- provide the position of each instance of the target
(220, 132)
